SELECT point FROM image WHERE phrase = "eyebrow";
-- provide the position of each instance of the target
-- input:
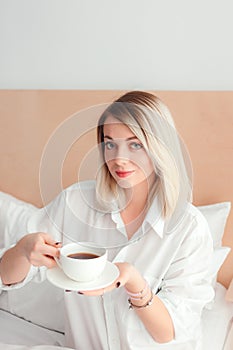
(128, 139)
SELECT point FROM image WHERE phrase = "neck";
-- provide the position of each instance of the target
(137, 195)
(134, 212)
(137, 204)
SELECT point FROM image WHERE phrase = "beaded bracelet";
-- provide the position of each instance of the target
(148, 303)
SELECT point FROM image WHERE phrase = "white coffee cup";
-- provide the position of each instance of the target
(82, 262)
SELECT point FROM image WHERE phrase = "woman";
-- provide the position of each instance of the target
(139, 209)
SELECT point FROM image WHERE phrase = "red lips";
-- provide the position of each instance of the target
(123, 174)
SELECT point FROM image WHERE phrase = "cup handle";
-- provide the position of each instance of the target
(58, 262)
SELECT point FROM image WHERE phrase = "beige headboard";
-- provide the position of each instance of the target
(204, 120)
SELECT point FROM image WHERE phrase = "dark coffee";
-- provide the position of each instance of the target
(83, 256)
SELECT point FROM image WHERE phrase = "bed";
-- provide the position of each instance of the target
(31, 122)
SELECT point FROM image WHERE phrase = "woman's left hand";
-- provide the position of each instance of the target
(127, 271)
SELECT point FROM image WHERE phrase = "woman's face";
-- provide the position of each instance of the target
(125, 156)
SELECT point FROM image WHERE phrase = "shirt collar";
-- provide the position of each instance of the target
(154, 217)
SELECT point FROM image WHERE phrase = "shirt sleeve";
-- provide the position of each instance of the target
(186, 287)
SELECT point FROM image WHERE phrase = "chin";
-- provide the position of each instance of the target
(129, 185)
(124, 184)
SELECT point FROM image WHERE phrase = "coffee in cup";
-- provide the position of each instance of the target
(82, 262)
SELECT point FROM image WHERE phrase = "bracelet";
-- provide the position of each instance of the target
(147, 290)
(138, 294)
(148, 303)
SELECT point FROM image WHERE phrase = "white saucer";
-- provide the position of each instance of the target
(57, 277)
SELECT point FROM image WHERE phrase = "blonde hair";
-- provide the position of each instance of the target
(151, 121)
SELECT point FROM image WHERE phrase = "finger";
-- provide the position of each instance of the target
(94, 293)
(44, 260)
(47, 246)
(101, 291)
(45, 249)
(48, 239)
(50, 262)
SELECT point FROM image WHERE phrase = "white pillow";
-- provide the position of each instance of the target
(14, 214)
(219, 256)
(216, 216)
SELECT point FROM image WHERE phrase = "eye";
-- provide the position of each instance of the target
(109, 145)
(136, 145)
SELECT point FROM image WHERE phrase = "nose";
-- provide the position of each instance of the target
(120, 161)
(121, 155)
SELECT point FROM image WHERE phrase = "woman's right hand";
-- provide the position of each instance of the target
(39, 249)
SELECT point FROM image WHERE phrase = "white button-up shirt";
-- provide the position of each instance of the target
(175, 264)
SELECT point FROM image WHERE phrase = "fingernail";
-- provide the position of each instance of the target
(57, 243)
(118, 284)
(80, 293)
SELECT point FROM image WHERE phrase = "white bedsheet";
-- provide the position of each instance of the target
(18, 334)
(216, 322)
(14, 330)
(4, 346)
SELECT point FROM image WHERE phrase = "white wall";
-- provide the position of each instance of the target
(116, 44)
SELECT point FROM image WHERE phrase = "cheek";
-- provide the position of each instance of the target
(109, 156)
(143, 162)
(150, 168)
(147, 167)
(109, 163)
